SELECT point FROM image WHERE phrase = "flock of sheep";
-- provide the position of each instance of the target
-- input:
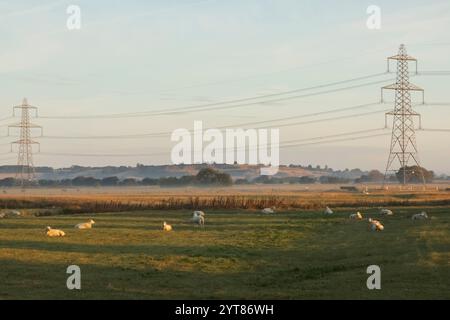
(198, 218)
(59, 233)
(374, 225)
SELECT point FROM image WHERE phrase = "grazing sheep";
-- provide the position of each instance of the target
(199, 218)
(376, 225)
(268, 210)
(2, 215)
(356, 216)
(386, 212)
(199, 213)
(86, 225)
(167, 227)
(420, 216)
(55, 232)
(328, 210)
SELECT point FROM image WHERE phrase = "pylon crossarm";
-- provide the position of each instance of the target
(402, 57)
(18, 125)
(408, 87)
(25, 142)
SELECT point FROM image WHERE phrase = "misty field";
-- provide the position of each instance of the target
(296, 254)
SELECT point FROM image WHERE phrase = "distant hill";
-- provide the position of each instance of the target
(140, 171)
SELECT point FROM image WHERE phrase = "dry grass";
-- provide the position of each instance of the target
(249, 197)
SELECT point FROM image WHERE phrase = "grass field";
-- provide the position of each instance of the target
(238, 255)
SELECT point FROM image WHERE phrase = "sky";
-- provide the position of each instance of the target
(145, 56)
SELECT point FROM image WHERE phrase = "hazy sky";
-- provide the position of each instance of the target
(137, 56)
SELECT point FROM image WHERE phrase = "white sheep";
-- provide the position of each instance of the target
(199, 213)
(167, 227)
(268, 210)
(420, 216)
(328, 210)
(386, 212)
(86, 225)
(199, 218)
(356, 216)
(376, 225)
(55, 232)
(11, 213)
(2, 215)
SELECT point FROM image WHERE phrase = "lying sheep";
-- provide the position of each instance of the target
(10, 214)
(199, 218)
(356, 216)
(375, 225)
(55, 232)
(86, 225)
(167, 227)
(268, 211)
(420, 216)
(386, 212)
(328, 210)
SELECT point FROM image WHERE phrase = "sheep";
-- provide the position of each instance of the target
(199, 213)
(328, 210)
(55, 232)
(2, 215)
(376, 225)
(199, 218)
(386, 212)
(268, 210)
(13, 213)
(167, 227)
(356, 216)
(86, 225)
(420, 216)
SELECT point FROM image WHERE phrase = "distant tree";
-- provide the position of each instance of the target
(414, 174)
(85, 181)
(110, 181)
(375, 176)
(8, 182)
(168, 182)
(372, 176)
(330, 179)
(149, 182)
(128, 182)
(241, 181)
(210, 176)
(306, 180)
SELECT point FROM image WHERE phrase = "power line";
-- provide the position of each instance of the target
(245, 101)
(289, 143)
(163, 134)
(235, 103)
(435, 130)
(168, 133)
(337, 140)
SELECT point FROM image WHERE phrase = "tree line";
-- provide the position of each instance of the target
(213, 177)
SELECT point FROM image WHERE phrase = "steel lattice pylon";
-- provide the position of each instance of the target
(403, 141)
(25, 167)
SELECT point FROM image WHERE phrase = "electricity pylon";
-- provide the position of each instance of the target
(403, 141)
(25, 168)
